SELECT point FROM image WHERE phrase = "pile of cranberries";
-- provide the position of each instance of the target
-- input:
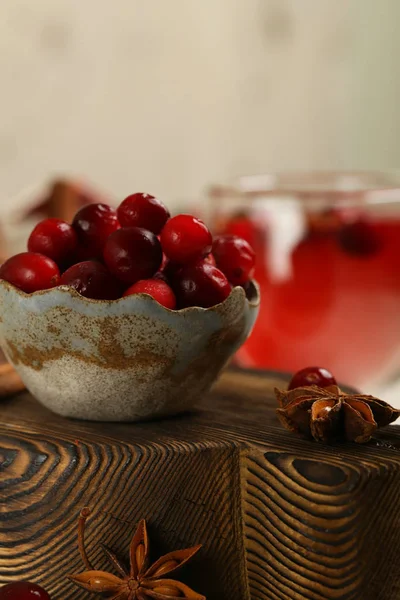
(138, 248)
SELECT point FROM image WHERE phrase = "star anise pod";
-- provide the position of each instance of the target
(328, 414)
(141, 581)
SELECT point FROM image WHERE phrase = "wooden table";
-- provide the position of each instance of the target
(279, 517)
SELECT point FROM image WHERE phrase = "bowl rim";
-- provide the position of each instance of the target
(253, 302)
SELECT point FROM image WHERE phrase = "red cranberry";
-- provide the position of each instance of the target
(143, 210)
(156, 288)
(23, 590)
(94, 223)
(54, 238)
(359, 239)
(185, 239)
(133, 253)
(169, 268)
(312, 376)
(92, 280)
(200, 285)
(235, 257)
(30, 272)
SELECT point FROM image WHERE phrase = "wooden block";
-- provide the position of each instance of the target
(279, 517)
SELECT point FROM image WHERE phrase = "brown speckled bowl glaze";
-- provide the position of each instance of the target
(123, 360)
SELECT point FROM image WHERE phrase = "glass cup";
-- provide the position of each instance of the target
(328, 265)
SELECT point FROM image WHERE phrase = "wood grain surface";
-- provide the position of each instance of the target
(279, 517)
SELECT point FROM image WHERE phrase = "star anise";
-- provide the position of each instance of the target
(141, 581)
(328, 414)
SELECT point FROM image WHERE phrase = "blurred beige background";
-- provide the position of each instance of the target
(166, 96)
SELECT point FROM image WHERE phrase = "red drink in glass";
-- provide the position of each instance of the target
(328, 265)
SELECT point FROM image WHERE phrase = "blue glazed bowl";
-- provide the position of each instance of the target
(123, 360)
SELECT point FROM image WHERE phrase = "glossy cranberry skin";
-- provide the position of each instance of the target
(133, 253)
(235, 257)
(359, 239)
(93, 224)
(30, 272)
(143, 210)
(23, 590)
(185, 239)
(200, 285)
(54, 238)
(156, 288)
(92, 280)
(312, 376)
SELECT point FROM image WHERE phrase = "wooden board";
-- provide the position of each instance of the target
(279, 517)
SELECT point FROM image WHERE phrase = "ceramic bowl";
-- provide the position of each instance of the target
(123, 360)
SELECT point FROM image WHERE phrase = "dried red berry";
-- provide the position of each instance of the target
(54, 238)
(156, 288)
(143, 210)
(133, 253)
(312, 376)
(30, 272)
(92, 280)
(235, 257)
(23, 590)
(185, 239)
(93, 224)
(200, 285)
